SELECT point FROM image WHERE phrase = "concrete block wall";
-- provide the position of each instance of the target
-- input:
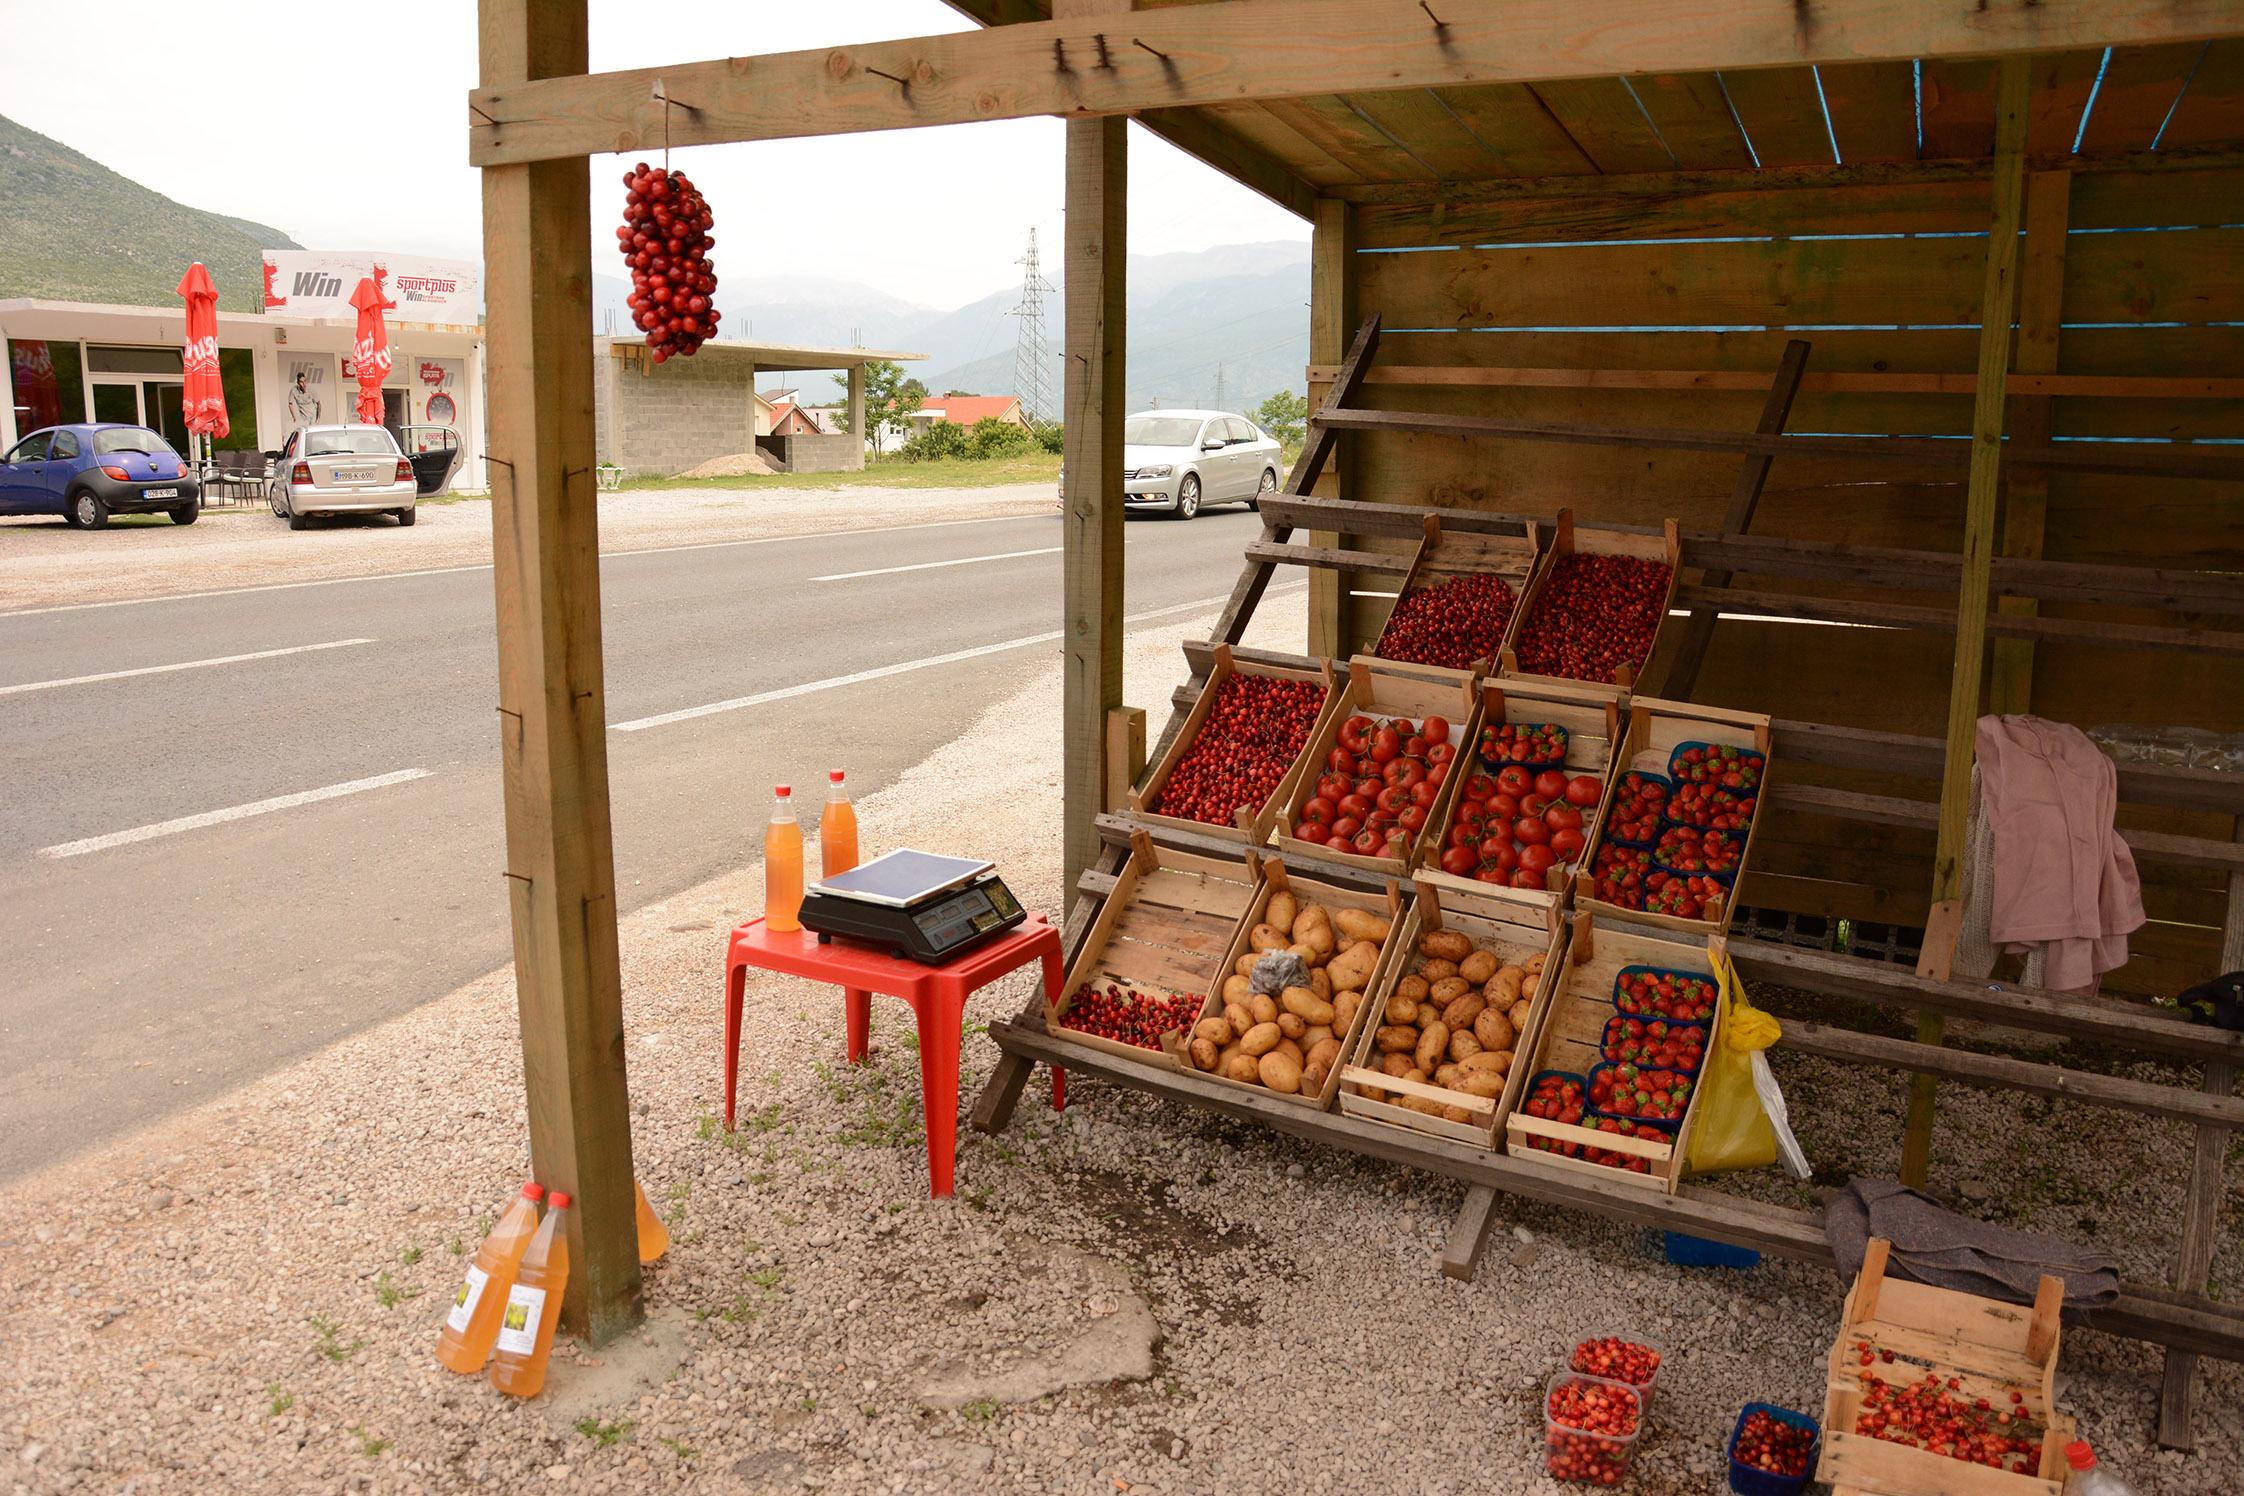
(674, 415)
(839, 453)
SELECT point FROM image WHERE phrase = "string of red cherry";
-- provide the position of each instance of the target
(665, 239)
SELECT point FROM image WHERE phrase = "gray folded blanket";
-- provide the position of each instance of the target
(1932, 1244)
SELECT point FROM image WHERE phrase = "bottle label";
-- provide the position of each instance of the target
(518, 1326)
(464, 1302)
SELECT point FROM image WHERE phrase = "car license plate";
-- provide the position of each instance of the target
(354, 475)
(159, 493)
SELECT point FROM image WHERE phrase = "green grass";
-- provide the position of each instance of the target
(411, 1254)
(1034, 467)
(329, 1346)
(979, 1412)
(370, 1444)
(389, 1293)
(678, 1447)
(280, 1402)
(600, 1433)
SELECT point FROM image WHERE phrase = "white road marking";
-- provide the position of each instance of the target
(886, 571)
(785, 693)
(262, 654)
(232, 813)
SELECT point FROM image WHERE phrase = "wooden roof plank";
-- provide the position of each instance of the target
(1434, 133)
(1606, 123)
(2212, 107)
(2062, 83)
(1694, 119)
(1958, 100)
(1519, 127)
(2140, 88)
(1781, 114)
(1259, 127)
(1873, 110)
(1350, 139)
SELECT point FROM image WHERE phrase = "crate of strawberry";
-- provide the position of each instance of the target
(1239, 753)
(1640, 800)
(1535, 745)
(1656, 1097)
(1687, 849)
(1656, 1043)
(1655, 992)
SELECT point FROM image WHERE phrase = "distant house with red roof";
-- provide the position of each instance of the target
(966, 410)
(790, 419)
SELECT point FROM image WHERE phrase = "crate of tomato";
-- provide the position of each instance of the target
(1686, 800)
(1594, 612)
(1592, 1102)
(1534, 792)
(1458, 602)
(1155, 951)
(1374, 779)
(1230, 770)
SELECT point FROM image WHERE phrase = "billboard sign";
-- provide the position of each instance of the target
(318, 283)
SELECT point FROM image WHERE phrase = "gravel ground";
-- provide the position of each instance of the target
(247, 1297)
(45, 563)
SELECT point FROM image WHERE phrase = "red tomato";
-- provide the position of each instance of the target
(1367, 842)
(1550, 784)
(1385, 745)
(1459, 861)
(1438, 774)
(1310, 831)
(1334, 787)
(1413, 818)
(1463, 836)
(1529, 831)
(1436, 730)
(1514, 780)
(1583, 790)
(1346, 827)
(1507, 859)
(1494, 847)
(1320, 810)
(1480, 787)
(1534, 805)
(1525, 879)
(1491, 873)
(1341, 761)
(1504, 808)
(1563, 817)
(1438, 752)
(1535, 859)
(1393, 798)
(1424, 792)
(1369, 785)
(1566, 843)
(1415, 746)
(1354, 733)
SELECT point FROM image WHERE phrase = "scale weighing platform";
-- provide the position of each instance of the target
(918, 904)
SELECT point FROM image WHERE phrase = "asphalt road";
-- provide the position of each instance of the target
(170, 935)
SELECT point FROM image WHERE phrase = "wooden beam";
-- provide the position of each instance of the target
(553, 729)
(1332, 323)
(1239, 50)
(1095, 257)
(1996, 300)
(2025, 507)
(1736, 381)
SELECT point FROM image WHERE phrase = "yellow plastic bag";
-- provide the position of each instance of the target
(1730, 1130)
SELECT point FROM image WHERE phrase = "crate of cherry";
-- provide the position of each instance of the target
(1456, 605)
(1533, 793)
(1937, 1393)
(1595, 1103)
(1673, 848)
(1594, 611)
(1590, 1428)
(1230, 771)
(1155, 951)
(1375, 780)
(1772, 1450)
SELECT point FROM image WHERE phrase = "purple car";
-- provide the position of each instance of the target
(85, 473)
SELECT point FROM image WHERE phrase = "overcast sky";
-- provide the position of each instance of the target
(344, 125)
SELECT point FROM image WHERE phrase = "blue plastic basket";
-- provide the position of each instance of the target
(1681, 748)
(1610, 835)
(1636, 967)
(1725, 879)
(1746, 1480)
(1697, 1251)
(1605, 1035)
(1493, 764)
(1668, 1125)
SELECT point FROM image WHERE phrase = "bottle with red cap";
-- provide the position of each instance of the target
(783, 865)
(472, 1324)
(837, 828)
(2089, 1478)
(533, 1307)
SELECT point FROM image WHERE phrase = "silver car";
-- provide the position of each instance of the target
(1181, 460)
(341, 470)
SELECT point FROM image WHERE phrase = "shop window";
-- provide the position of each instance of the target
(237, 372)
(48, 382)
(135, 360)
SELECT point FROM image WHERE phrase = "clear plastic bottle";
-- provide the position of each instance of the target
(464, 1344)
(533, 1307)
(654, 1237)
(2089, 1478)
(783, 865)
(837, 829)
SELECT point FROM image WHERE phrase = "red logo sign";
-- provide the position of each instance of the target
(432, 374)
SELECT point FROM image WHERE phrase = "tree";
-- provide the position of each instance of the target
(890, 399)
(1285, 416)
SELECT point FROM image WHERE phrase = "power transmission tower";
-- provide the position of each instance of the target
(1219, 388)
(1031, 381)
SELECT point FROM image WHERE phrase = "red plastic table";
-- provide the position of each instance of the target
(937, 995)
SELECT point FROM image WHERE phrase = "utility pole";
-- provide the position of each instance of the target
(1031, 379)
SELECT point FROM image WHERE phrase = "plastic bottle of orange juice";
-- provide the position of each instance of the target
(464, 1344)
(654, 1237)
(783, 865)
(837, 828)
(533, 1307)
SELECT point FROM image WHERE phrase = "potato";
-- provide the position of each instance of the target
(1394, 1064)
(1317, 1034)
(1216, 1031)
(1279, 913)
(1519, 1012)
(1223, 1056)
(1260, 1039)
(1281, 1073)
(1503, 988)
(1416, 988)
(1313, 1078)
(1446, 944)
(1533, 965)
(1477, 967)
(1493, 1030)
(1320, 982)
(1445, 1076)
(1204, 1052)
(1263, 938)
(1448, 990)
(1357, 924)
(1245, 964)
(1414, 1073)
(1344, 1006)
(1456, 1114)
(1308, 955)
(1243, 1067)
(1420, 1104)
(1437, 970)
(1325, 1052)
(1264, 1007)
(1396, 1038)
(1236, 990)
(1313, 926)
(1462, 1012)
(1488, 1062)
(1433, 1042)
(1312, 1008)
(1401, 1009)
(1236, 1014)
(1291, 1051)
(1292, 1025)
(1463, 1045)
(1353, 967)
(1480, 1083)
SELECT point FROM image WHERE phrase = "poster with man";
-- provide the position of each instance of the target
(306, 386)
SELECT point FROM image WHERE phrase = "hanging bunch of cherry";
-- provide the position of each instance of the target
(665, 239)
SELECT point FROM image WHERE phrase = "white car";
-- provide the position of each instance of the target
(1179, 461)
(341, 470)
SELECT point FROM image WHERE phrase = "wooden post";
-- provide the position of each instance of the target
(857, 412)
(1332, 322)
(1125, 755)
(1096, 256)
(2025, 505)
(1996, 300)
(553, 731)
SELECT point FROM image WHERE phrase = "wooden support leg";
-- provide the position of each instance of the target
(1468, 1234)
(993, 1111)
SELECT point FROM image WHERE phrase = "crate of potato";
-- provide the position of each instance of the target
(1376, 776)
(1564, 1128)
(1594, 612)
(1438, 1053)
(1932, 1392)
(1230, 770)
(1528, 826)
(1289, 1042)
(1155, 951)
(1456, 605)
(1687, 877)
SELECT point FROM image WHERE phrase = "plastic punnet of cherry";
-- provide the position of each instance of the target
(1590, 1427)
(1632, 1359)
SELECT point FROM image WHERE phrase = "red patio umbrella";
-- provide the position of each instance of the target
(204, 398)
(370, 353)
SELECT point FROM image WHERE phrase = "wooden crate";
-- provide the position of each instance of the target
(1566, 540)
(1378, 688)
(1518, 925)
(1994, 1348)
(1592, 722)
(1655, 729)
(1567, 1038)
(1276, 877)
(1252, 827)
(1163, 930)
(1443, 554)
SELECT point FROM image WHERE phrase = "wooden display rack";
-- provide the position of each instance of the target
(1165, 929)
(1994, 1348)
(1381, 688)
(1251, 828)
(1567, 1038)
(1568, 539)
(1592, 722)
(1445, 554)
(1517, 926)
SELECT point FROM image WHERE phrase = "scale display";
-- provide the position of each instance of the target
(922, 905)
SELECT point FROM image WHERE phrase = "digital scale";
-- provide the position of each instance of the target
(918, 904)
